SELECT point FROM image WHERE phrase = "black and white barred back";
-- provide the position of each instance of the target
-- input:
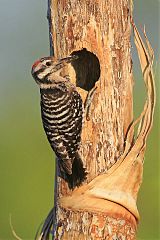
(62, 120)
(62, 116)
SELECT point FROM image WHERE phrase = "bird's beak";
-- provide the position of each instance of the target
(69, 59)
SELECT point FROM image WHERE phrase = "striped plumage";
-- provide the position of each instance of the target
(62, 113)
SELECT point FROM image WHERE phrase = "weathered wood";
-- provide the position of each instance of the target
(104, 29)
(99, 32)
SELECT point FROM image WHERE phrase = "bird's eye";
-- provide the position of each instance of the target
(48, 64)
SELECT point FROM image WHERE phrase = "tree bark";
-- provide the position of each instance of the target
(104, 207)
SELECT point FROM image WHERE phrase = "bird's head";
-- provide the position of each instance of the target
(46, 70)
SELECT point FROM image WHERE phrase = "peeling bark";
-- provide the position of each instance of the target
(99, 31)
(103, 28)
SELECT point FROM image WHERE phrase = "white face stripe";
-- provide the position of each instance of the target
(44, 73)
(47, 61)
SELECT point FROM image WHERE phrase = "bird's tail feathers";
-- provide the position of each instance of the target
(77, 175)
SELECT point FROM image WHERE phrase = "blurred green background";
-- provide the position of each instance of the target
(26, 160)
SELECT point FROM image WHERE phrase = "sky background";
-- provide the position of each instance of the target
(26, 160)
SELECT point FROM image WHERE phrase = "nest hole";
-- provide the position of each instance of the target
(87, 68)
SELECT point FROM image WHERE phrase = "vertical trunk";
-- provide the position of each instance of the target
(99, 32)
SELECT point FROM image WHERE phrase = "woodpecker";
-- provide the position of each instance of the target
(62, 116)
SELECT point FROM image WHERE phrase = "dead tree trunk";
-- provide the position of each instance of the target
(99, 32)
